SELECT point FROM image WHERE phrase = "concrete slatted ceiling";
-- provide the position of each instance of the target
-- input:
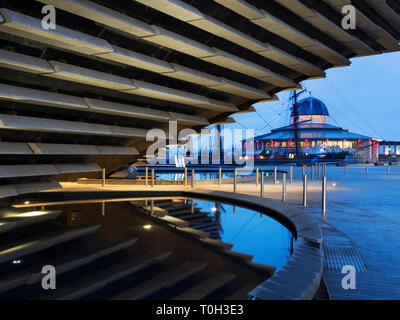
(81, 97)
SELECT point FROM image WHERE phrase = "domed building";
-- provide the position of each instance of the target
(315, 136)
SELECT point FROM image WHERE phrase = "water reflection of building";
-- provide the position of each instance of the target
(315, 135)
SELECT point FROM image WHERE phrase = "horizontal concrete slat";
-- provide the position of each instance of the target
(22, 62)
(191, 75)
(28, 170)
(241, 90)
(78, 149)
(40, 97)
(77, 167)
(180, 43)
(37, 170)
(229, 33)
(27, 95)
(62, 126)
(227, 60)
(15, 148)
(126, 110)
(284, 30)
(31, 28)
(103, 15)
(169, 94)
(189, 119)
(175, 8)
(87, 76)
(137, 60)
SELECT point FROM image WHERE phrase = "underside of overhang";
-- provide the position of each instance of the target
(82, 97)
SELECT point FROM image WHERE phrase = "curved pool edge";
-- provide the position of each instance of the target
(300, 277)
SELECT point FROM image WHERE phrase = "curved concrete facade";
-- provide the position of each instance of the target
(109, 72)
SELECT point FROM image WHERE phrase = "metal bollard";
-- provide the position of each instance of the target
(284, 187)
(185, 177)
(323, 195)
(304, 170)
(220, 176)
(312, 172)
(262, 184)
(257, 176)
(291, 174)
(192, 178)
(275, 175)
(152, 207)
(146, 177)
(345, 169)
(152, 177)
(304, 190)
(366, 169)
(235, 181)
(103, 177)
(319, 171)
(103, 208)
(388, 170)
(192, 207)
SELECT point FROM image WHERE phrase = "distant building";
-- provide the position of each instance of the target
(316, 137)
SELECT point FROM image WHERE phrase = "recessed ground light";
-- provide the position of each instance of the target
(333, 184)
(17, 261)
(214, 209)
(147, 226)
(27, 202)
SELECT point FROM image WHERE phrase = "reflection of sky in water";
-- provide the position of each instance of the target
(263, 237)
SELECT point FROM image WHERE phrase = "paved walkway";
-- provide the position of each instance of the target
(362, 209)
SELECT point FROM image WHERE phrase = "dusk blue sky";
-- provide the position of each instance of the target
(364, 97)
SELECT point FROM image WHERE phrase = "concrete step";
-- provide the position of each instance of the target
(162, 281)
(219, 244)
(244, 256)
(206, 287)
(241, 294)
(102, 278)
(197, 233)
(193, 216)
(31, 245)
(175, 221)
(13, 220)
(82, 256)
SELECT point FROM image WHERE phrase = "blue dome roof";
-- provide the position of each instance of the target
(312, 106)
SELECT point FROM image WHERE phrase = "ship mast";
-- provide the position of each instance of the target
(296, 121)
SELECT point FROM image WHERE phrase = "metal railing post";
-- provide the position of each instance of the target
(304, 190)
(366, 169)
(192, 178)
(319, 171)
(220, 176)
(152, 178)
(257, 176)
(152, 207)
(312, 172)
(186, 180)
(235, 181)
(146, 177)
(262, 184)
(192, 207)
(388, 170)
(275, 175)
(323, 195)
(103, 177)
(284, 187)
(345, 169)
(291, 174)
